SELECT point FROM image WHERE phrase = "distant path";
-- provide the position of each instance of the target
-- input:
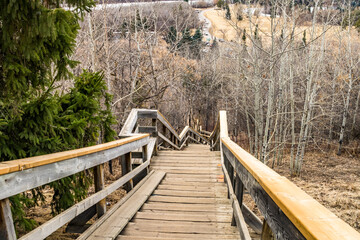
(207, 25)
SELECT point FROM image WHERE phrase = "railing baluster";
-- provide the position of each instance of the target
(99, 181)
(266, 233)
(126, 167)
(239, 193)
(145, 158)
(154, 123)
(7, 229)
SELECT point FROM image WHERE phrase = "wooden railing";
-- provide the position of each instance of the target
(289, 213)
(161, 129)
(25, 174)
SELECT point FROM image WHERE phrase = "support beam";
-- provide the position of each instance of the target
(145, 155)
(239, 193)
(126, 167)
(7, 230)
(154, 123)
(266, 233)
(99, 180)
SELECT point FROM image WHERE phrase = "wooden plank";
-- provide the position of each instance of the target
(119, 219)
(222, 208)
(266, 233)
(147, 129)
(101, 220)
(196, 200)
(7, 229)
(165, 122)
(78, 224)
(126, 167)
(99, 182)
(18, 182)
(32, 162)
(159, 163)
(237, 214)
(194, 237)
(193, 180)
(147, 113)
(193, 188)
(180, 227)
(194, 193)
(190, 171)
(251, 219)
(223, 124)
(168, 141)
(56, 222)
(181, 216)
(130, 123)
(178, 236)
(201, 176)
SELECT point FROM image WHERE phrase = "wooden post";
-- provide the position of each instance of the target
(230, 170)
(225, 165)
(266, 233)
(126, 167)
(172, 137)
(156, 143)
(239, 193)
(7, 229)
(145, 153)
(99, 181)
(164, 133)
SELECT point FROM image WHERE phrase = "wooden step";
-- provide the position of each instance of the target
(204, 194)
(184, 216)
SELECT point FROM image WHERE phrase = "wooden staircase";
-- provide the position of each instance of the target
(184, 197)
(190, 202)
(194, 191)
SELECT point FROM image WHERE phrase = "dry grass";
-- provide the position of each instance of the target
(232, 30)
(332, 180)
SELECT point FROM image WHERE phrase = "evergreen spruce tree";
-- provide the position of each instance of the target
(37, 40)
(196, 43)
(220, 3)
(227, 14)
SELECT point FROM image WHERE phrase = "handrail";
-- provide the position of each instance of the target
(178, 139)
(288, 210)
(31, 162)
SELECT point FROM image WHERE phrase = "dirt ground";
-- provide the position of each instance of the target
(332, 180)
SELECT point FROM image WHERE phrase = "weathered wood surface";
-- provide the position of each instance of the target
(64, 164)
(7, 230)
(32, 162)
(115, 223)
(100, 221)
(190, 202)
(288, 211)
(56, 222)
